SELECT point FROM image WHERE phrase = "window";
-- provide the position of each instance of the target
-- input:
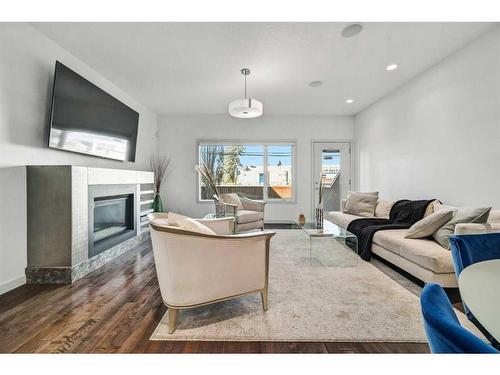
(254, 170)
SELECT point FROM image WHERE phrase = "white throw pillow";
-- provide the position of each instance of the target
(160, 221)
(437, 205)
(430, 224)
(232, 199)
(188, 223)
(494, 216)
(383, 208)
(431, 207)
(361, 204)
(462, 215)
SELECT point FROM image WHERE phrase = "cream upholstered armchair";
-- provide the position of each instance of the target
(196, 269)
(249, 213)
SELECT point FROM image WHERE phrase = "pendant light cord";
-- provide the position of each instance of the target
(245, 86)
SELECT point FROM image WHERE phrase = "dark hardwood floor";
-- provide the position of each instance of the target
(115, 310)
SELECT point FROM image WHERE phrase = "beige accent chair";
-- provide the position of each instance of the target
(197, 269)
(249, 213)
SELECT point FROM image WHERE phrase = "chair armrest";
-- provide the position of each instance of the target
(253, 205)
(232, 208)
(221, 226)
(239, 236)
(264, 233)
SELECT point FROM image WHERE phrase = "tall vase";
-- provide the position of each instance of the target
(220, 208)
(157, 203)
(318, 217)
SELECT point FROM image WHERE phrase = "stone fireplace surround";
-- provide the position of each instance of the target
(59, 229)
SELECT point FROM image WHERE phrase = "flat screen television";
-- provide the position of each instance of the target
(87, 120)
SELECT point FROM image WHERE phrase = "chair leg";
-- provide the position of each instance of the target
(265, 298)
(172, 320)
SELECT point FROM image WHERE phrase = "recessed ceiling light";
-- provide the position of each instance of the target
(349, 101)
(352, 30)
(391, 67)
(315, 83)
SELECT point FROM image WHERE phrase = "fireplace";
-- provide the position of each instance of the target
(111, 216)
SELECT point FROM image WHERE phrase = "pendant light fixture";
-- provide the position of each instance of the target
(247, 107)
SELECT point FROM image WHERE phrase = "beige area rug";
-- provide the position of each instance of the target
(309, 302)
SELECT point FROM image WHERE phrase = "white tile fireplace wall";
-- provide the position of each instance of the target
(26, 74)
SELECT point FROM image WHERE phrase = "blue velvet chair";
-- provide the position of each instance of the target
(443, 330)
(467, 249)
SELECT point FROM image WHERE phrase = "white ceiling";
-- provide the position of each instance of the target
(195, 67)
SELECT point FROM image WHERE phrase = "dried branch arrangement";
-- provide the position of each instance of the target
(159, 166)
(206, 173)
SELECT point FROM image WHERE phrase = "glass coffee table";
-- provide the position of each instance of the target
(331, 246)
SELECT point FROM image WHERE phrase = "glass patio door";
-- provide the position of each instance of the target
(331, 161)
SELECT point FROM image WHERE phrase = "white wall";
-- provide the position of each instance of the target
(179, 136)
(26, 73)
(437, 136)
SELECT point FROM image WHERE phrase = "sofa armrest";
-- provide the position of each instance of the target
(475, 228)
(342, 204)
(253, 205)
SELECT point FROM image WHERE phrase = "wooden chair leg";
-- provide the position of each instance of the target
(172, 320)
(265, 298)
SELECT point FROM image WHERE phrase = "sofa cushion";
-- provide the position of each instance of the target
(341, 219)
(249, 226)
(361, 204)
(246, 216)
(462, 215)
(390, 239)
(426, 253)
(429, 224)
(383, 208)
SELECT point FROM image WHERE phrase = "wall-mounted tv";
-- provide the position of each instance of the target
(87, 120)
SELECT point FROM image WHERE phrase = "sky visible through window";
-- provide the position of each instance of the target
(254, 155)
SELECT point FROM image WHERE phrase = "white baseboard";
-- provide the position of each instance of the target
(12, 284)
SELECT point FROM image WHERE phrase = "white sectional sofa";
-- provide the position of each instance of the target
(423, 258)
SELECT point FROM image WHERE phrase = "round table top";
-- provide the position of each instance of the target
(479, 286)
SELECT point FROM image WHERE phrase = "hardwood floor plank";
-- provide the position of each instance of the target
(242, 347)
(115, 309)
